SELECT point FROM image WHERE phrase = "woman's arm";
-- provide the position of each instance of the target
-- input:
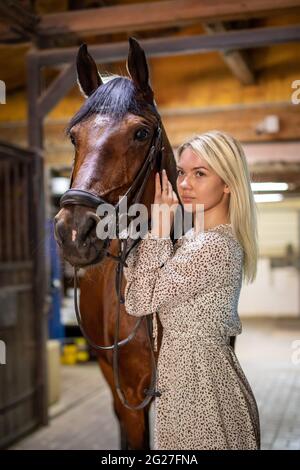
(156, 277)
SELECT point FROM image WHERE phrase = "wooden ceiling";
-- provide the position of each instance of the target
(48, 24)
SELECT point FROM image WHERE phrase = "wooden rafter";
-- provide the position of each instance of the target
(157, 15)
(56, 90)
(159, 47)
(236, 60)
(20, 19)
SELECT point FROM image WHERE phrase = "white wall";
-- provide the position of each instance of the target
(275, 292)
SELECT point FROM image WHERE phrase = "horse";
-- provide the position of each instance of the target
(112, 133)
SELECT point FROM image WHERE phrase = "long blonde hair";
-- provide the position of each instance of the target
(226, 157)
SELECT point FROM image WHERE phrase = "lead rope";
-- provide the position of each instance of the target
(151, 391)
(86, 336)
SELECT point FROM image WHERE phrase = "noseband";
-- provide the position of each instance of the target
(134, 193)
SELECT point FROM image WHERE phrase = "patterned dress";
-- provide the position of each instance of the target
(194, 285)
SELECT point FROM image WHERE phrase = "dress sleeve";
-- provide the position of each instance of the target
(157, 277)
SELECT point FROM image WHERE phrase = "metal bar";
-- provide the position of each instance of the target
(2, 200)
(17, 229)
(25, 213)
(7, 212)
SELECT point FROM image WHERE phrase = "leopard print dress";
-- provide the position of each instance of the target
(194, 285)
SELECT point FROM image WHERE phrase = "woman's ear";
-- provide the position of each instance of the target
(226, 189)
(88, 77)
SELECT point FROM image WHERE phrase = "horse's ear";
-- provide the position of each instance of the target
(137, 68)
(88, 77)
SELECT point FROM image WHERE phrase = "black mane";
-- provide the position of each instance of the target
(115, 98)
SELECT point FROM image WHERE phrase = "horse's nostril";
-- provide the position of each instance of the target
(87, 228)
(59, 232)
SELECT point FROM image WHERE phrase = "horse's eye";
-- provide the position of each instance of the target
(141, 134)
(72, 139)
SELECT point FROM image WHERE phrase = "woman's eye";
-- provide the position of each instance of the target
(141, 134)
(180, 172)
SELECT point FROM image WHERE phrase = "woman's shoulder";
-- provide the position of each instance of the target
(212, 234)
(216, 238)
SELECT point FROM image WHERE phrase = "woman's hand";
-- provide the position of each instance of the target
(164, 207)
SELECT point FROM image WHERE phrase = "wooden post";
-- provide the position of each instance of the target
(35, 141)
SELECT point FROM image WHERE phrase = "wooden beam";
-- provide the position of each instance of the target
(237, 61)
(40, 274)
(20, 19)
(240, 121)
(35, 124)
(56, 90)
(160, 47)
(156, 15)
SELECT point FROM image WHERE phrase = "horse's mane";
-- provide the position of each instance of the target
(116, 97)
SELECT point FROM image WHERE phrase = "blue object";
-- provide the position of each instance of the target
(55, 326)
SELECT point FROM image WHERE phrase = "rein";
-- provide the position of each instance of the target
(88, 199)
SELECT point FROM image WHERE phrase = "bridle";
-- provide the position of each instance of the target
(134, 193)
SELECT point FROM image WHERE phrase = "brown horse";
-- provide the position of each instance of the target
(112, 135)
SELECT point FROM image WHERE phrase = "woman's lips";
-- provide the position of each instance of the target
(187, 199)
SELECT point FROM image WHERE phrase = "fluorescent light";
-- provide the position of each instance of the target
(269, 186)
(268, 197)
(59, 185)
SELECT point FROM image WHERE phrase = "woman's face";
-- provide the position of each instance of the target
(197, 183)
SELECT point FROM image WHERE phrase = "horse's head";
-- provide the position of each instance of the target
(112, 134)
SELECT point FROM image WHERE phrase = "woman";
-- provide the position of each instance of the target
(206, 401)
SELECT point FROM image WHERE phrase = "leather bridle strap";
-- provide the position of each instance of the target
(81, 197)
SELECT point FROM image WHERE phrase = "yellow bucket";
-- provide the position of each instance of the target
(82, 350)
(69, 356)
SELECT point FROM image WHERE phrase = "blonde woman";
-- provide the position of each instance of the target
(206, 401)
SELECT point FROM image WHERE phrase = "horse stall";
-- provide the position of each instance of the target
(22, 319)
(71, 358)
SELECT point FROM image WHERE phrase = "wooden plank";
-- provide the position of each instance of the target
(155, 15)
(160, 47)
(56, 90)
(236, 60)
(35, 124)
(37, 227)
(240, 121)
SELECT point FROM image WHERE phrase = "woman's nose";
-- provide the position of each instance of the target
(185, 183)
